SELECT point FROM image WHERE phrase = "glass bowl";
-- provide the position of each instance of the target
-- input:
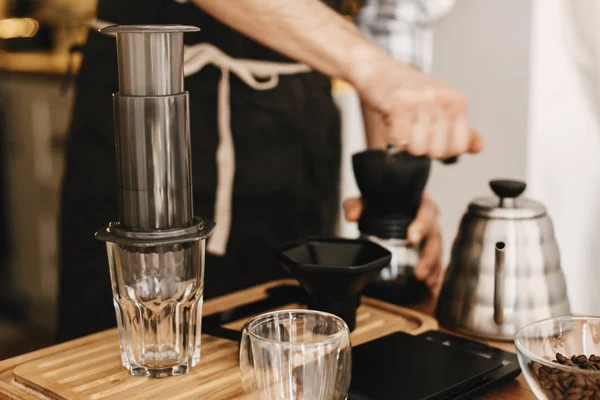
(575, 342)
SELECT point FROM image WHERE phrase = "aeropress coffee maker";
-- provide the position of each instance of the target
(156, 248)
(391, 183)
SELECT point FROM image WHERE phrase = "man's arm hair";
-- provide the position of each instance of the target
(308, 31)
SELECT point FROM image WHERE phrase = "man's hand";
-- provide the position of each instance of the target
(424, 229)
(416, 112)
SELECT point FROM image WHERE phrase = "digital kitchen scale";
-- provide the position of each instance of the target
(431, 366)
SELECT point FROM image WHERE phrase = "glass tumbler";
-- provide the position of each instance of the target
(157, 295)
(296, 355)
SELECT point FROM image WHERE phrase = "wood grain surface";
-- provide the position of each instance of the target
(90, 367)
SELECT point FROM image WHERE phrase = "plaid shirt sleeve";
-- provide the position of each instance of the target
(404, 28)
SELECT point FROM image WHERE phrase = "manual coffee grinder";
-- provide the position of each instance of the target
(391, 183)
(156, 247)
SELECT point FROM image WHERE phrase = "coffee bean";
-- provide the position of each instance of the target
(548, 394)
(579, 382)
(557, 394)
(535, 367)
(580, 358)
(573, 393)
(559, 384)
(544, 369)
(586, 365)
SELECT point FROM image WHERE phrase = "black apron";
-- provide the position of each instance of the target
(287, 145)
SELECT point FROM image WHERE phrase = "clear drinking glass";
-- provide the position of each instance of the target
(296, 355)
(157, 294)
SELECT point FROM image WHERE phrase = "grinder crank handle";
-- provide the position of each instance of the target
(391, 149)
(449, 160)
(454, 160)
(446, 161)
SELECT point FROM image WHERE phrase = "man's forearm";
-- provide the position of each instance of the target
(305, 30)
(403, 28)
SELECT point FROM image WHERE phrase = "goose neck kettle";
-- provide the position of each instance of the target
(505, 268)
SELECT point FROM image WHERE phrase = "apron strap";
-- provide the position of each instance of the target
(198, 56)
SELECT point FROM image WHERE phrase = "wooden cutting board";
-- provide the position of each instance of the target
(90, 368)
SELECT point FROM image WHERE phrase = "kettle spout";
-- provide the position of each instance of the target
(499, 283)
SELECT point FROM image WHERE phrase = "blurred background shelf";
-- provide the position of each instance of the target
(36, 96)
(39, 62)
(39, 113)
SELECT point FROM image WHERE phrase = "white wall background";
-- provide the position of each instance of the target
(564, 147)
(513, 61)
(475, 52)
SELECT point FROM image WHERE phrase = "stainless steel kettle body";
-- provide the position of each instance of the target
(505, 269)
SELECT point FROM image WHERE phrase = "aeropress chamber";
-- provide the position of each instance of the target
(156, 248)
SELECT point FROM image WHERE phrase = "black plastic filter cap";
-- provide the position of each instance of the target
(333, 271)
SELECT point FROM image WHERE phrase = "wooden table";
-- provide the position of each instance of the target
(93, 362)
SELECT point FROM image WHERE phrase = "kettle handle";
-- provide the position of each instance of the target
(499, 283)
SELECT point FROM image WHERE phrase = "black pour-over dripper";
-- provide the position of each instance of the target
(334, 271)
(391, 184)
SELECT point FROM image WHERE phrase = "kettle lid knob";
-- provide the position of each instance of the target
(505, 188)
(508, 202)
